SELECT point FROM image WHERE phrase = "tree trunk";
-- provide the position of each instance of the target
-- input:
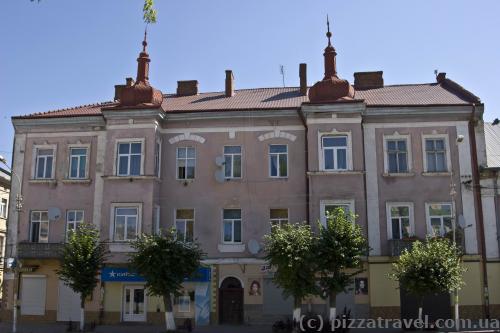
(420, 308)
(297, 305)
(82, 313)
(169, 315)
(332, 301)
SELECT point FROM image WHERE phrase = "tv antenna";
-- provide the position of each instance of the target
(282, 71)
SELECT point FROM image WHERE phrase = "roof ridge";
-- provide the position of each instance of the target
(244, 89)
(68, 108)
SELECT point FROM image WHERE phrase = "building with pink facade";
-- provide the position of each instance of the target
(222, 167)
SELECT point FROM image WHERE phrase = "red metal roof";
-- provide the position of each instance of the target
(286, 98)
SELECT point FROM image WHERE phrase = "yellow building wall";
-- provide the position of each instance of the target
(470, 294)
(382, 290)
(494, 282)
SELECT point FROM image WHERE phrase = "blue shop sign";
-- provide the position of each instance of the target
(123, 274)
(119, 274)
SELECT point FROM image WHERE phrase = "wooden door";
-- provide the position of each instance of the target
(231, 301)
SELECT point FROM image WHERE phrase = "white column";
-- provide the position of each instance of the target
(372, 205)
(489, 218)
(468, 207)
(98, 181)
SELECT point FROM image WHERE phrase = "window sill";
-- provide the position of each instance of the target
(334, 172)
(130, 178)
(231, 247)
(399, 174)
(436, 174)
(43, 181)
(77, 181)
(120, 247)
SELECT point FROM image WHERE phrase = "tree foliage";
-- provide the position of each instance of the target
(82, 258)
(289, 250)
(164, 261)
(340, 248)
(149, 12)
(430, 267)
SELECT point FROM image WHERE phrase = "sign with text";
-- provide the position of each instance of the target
(123, 274)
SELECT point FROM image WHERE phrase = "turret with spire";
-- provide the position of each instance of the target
(331, 88)
(141, 93)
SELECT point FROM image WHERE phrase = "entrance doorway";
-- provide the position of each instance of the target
(435, 306)
(134, 305)
(231, 301)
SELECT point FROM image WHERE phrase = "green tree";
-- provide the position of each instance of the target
(82, 258)
(339, 251)
(290, 251)
(430, 267)
(164, 261)
(149, 13)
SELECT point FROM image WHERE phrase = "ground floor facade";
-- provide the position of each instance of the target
(228, 291)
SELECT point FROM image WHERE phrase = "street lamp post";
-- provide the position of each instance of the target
(19, 206)
(453, 193)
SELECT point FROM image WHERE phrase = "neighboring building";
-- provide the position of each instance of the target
(4, 204)
(221, 167)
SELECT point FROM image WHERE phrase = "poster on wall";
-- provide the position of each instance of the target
(361, 286)
(255, 287)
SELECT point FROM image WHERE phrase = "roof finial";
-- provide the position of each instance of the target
(328, 34)
(144, 42)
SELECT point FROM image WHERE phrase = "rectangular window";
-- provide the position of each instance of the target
(129, 159)
(232, 226)
(278, 159)
(39, 227)
(232, 162)
(126, 223)
(78, 163)
(435, 150)
(3, 208)
(399, 221)
(184, 303)
(334, 152)
(184, 224)
(397, 156)
(44, 168)
(439, 218)
(278, 216)
(73, 220)
(186, 161)
(327, 207)
(158, 159)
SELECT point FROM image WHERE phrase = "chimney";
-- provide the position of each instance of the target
(187, 88)
(368, 80)
(440, 77)
(119, 88)
(303, 79)
(229, 83)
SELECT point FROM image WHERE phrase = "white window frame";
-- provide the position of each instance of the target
(185, 159)
(324, 203)
(278, 160)
(87, 157)
(430, 230)
(232, 224)
(279, 221)
(39, 228)
(321, 155)
(158, 146)
(391, 204)
(184, 220)
(4, 208)
(409, 157)
(181, 310)
(113, 219)
(117, 161)
(76, 223)
(34, 166)
(446, 146)
(232, 155)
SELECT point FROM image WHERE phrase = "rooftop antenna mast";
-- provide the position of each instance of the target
(282, 71)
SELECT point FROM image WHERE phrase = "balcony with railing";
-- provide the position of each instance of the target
(397, 246)
(28, 250)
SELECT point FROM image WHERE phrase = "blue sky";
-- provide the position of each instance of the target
(61, 53)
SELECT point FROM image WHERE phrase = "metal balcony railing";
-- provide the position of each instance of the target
(28, 250)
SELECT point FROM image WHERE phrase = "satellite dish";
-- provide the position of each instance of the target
(219, 176)
(461, 221)
(220, 160)
(54, 213)
(253, 246)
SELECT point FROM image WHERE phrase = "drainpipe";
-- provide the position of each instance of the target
(306, 150)
(476, 189)
(497, 212)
